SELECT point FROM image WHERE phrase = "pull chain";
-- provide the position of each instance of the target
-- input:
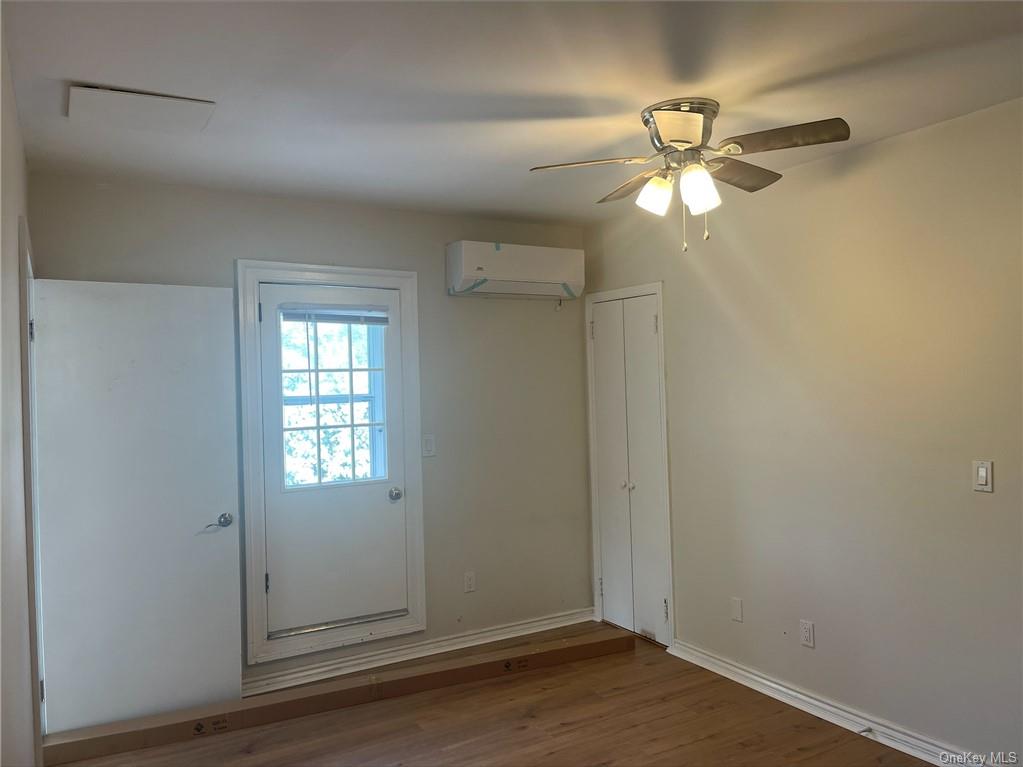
(706, 231)
(685, 245)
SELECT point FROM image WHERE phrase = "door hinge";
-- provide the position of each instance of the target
(31, 330)
(600, 584)
(655, 324)
(266, 582)
(665, 609)
(259, 310)
(592, 336)
(42, 691)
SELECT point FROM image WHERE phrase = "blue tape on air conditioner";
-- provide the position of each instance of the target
(479, 283)
(497, 246)
(568, 290)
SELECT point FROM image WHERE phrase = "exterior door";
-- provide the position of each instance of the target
(333, 452)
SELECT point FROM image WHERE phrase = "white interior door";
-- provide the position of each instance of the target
(334, 464)
(630, 464)
(648, 500)
(136, 438)
(611, 454)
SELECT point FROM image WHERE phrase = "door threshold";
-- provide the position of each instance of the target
(328, 625)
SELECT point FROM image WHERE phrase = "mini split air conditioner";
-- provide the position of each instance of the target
(514, 271)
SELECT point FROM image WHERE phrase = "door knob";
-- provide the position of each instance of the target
(224, 520)
(625, 485)
(395, 493)
(632, 486)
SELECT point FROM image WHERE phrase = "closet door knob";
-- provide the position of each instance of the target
(624, 485)
(632, 486)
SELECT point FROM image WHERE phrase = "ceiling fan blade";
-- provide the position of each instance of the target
(630, 187)
(806, 134)
(741, 174)
(609, 161)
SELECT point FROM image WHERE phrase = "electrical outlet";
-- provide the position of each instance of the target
(737, 609)
(806, 633)
(470, 581)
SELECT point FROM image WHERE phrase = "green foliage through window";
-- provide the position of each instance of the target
(332, 394)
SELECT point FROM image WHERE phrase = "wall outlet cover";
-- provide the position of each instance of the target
(806, 633)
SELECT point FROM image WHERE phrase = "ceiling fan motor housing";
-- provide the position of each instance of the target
(680, 123)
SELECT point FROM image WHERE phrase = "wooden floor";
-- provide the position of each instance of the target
(640, 708)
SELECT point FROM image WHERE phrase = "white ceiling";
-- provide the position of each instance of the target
(446, 105)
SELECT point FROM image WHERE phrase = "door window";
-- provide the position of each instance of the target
(332, 397)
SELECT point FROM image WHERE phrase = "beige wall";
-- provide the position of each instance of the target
(17, 744)
(837, 354)
(502, 380)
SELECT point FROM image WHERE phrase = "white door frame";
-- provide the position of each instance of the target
(250, 274)
(649, 289)
(26, 299)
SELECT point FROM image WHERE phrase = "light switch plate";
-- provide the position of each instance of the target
(983, 478)
(737, 609)
(429, 446)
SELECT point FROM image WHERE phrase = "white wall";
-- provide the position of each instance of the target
(502, 380)
(17, 740)
(837, 354)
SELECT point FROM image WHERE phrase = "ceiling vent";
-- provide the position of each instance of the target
(138, 111)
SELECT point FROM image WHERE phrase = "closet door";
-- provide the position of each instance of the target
(611, 458)
(647, 481)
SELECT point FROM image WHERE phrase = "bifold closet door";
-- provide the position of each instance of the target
(648, 505)
(629, 466)
(611, 456)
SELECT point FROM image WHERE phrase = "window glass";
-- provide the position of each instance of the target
(363, 452)
(294, 346)
(336, 455)
(334, 383)
(360, 347)
(332, 398)
(300, 457)
(332, 345)
(336, 414)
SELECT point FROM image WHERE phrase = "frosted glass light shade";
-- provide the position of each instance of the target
(697, 189)
(656, 195)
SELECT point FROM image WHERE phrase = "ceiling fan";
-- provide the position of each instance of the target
(680, 130)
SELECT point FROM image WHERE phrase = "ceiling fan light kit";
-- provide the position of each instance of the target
(655, 196)
(697, 189)
(679, 130)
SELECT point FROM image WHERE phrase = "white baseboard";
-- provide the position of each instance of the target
(912, 743)
(258, 681)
